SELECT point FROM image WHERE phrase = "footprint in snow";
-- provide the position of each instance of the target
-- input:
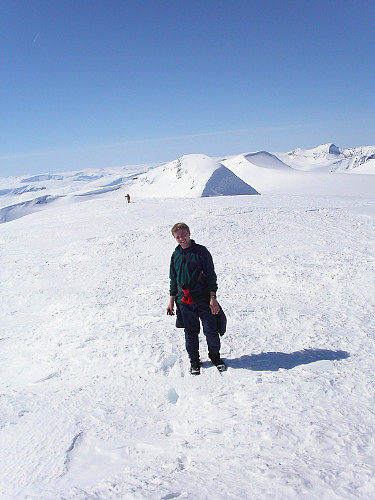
(172, 396)
(169, 362)
(168, 430)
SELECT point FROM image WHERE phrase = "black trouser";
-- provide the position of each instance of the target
(191, 315)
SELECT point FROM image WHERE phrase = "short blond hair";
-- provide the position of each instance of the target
(180, 225)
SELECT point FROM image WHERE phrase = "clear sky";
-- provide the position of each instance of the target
(99, 83)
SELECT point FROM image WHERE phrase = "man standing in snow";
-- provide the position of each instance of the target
(193, 288)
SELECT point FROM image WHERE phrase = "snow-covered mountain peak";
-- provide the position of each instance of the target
(191, 176)
(329, 148)
(267, 160)
(322, 151)
(361, 159)
(188, 166)
(331, 158)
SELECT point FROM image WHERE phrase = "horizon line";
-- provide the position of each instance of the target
(150, 140)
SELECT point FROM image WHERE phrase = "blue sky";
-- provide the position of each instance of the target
(89, 83)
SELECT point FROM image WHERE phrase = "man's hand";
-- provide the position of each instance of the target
(170, 308)
(215, 308)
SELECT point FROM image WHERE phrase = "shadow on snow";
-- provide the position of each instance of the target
(273, 361)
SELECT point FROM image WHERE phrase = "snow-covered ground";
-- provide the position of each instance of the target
(96, 401)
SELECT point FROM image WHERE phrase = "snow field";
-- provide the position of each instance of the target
(96, 398)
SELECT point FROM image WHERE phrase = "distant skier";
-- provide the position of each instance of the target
(128, 197)
(193, 288)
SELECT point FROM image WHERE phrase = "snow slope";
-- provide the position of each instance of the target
(269, 175)
(24, 196)
(190, 176)
(95, 396)
(263, 171)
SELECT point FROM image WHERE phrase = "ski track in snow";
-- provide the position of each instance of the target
(95, 396)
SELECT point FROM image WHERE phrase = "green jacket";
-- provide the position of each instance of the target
(192, 268)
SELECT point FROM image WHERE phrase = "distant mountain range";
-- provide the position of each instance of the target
(332, 159)
(248, 173)
(301, 171)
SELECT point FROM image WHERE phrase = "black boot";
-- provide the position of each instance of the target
(218, 362)
(195, 367)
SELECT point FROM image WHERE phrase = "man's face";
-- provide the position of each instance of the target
(182, 237)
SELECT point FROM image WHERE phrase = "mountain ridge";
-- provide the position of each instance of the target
(324, 170)
(331, 158)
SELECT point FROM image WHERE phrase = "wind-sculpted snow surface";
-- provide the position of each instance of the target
(20, 190)
(13, 212)
(43, 178)
(18, 210)
(95, 396)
